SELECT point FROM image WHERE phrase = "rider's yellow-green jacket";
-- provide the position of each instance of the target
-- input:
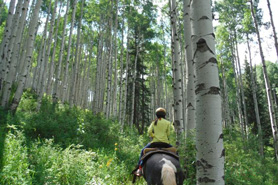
(161, 131)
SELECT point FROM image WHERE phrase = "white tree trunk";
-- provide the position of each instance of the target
(191, 100)
(209, 136)
(133, 84)
(52, 61)
(45, 60)
(61, 52)
(29, 49)
(14, 48)
(273, 28)
(121, 77)
(65, 84)
(177, 71)
(115, 86)
(76, 61)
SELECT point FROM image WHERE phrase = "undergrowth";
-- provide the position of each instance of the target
(64, 145)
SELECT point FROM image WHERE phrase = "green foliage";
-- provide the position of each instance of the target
(244, 165)
(63, 145)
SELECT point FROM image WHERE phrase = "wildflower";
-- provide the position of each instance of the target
(116, 149)
(116, 144)
(109, 162)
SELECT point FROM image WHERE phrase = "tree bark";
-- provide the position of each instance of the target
(191, 101)
(209, 136)
(177, 72)
(273, 28)
(29, 49)
(66, 74)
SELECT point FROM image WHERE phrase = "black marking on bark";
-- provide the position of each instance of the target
(189, 105)
(211, 60)
(177, 123)
(204, 164)
(222, 153)
(204, 17)
(213, 90)
(202, 45)
(205, 180)
(200, 87)
(220, 137)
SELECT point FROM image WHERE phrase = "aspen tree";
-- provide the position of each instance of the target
(109, 66)
(52, 60)
(121, 76)
(241, 89)
(191, 102)
(29, 49)
(5, 41)
(126, 76)
(9, 48)
(273, 28)
(43, 64)
(209, 136)
(14, 48)
(226, 112)
(177, 71)
(267, 85)
(115, 85)
(66, 74)
(76, 61)
(61, 52)
(98, 78)
(47, 55)
(253, 82)
(134, 80)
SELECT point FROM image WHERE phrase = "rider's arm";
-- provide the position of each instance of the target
(150, 130)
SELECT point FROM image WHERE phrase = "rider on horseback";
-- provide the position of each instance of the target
(159, 131)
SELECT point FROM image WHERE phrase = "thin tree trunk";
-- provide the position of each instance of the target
(209, 136)
(240, 114)
(267, 86)
(61, 53)
(273, 28)
(134, 82)
(261, 144)
(75, 69)
(191, 101)
(115, 86)
(51, 70)
(177, 72)
(109, 66)
(47, 56)
(126, 79)
(242, 90)
(121, 76)
(5, 40)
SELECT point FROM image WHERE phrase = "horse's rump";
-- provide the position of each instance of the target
(161, 167)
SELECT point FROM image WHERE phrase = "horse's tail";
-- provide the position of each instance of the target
(168, 175)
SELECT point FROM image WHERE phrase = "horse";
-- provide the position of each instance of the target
(163, 169)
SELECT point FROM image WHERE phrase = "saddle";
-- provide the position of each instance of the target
(150, 151)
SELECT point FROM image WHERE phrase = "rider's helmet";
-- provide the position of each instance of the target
(160, 112)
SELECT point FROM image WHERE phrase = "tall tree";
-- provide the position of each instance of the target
(209, 136)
